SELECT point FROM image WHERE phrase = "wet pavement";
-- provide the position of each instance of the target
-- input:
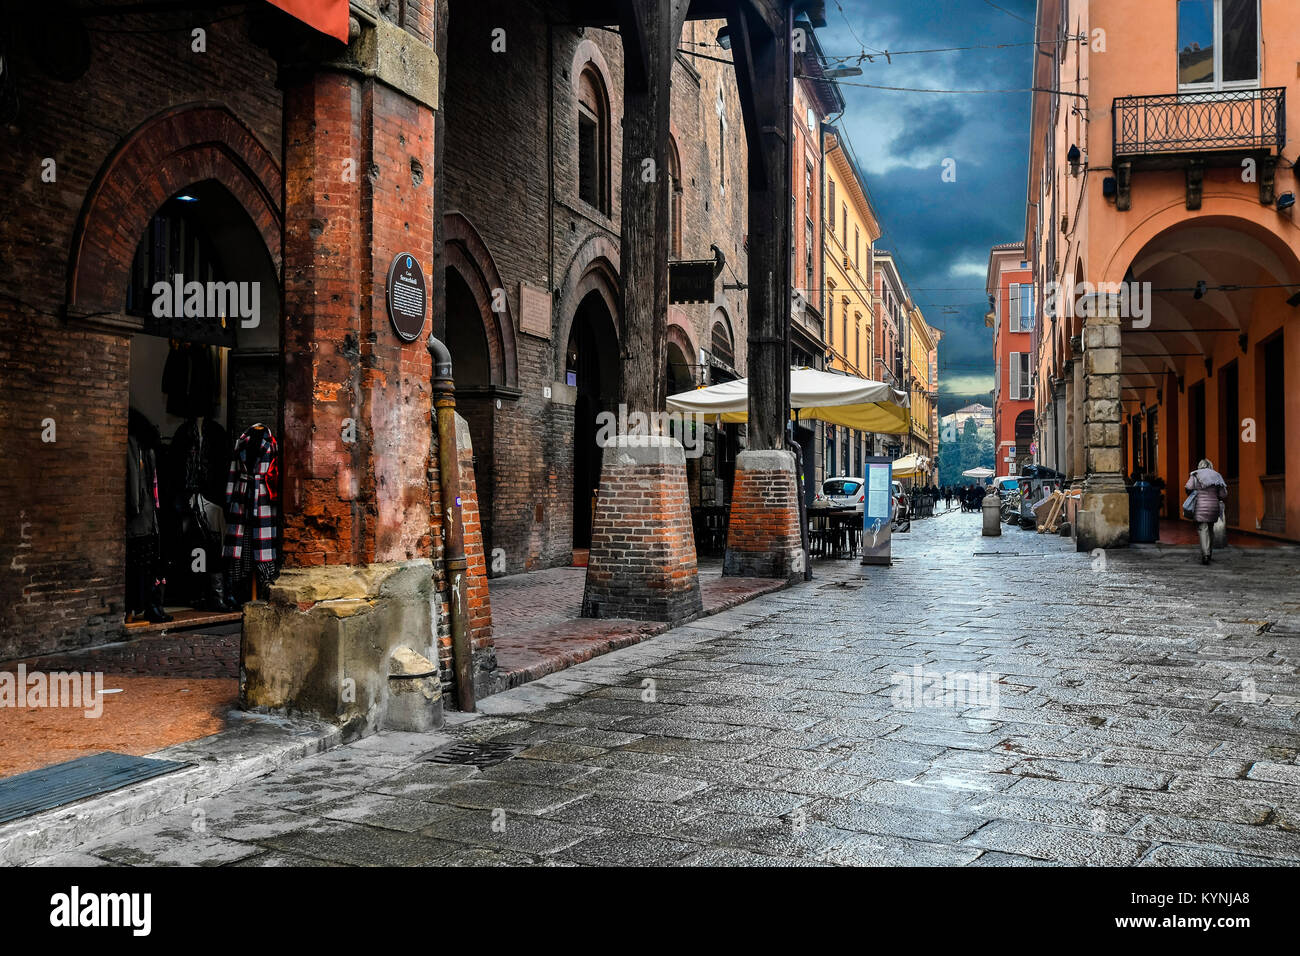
(1002, 701)
(538, 627)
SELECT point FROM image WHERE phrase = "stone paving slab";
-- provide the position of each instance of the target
(1106, 720)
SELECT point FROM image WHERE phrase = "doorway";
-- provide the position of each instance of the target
(204, 368)
(472, 367)
(590, 367)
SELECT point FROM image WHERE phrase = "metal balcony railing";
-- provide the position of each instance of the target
(1212, 122)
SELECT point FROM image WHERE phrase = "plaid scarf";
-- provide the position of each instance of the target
(251, 506)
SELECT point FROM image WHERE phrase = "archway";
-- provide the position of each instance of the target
(472, 366)
(199, 377)
(591, 368)
(681, 378)
(164, 156)
(1024, 436)
(1202, 372)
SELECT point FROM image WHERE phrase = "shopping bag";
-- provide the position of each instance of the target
(1221, 529)
(1189, 506)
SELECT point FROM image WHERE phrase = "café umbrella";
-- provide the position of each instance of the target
(911, 467)
(825, 396)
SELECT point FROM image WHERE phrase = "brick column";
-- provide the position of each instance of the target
(642, 559)
(361, 523)
(763, 539)
(1103, 511)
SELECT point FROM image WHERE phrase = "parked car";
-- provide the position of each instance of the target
(1006, 484)
(841, 492)
(899, 497)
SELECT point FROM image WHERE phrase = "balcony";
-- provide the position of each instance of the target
(1194, 130)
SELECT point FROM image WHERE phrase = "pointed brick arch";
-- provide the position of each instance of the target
(593, 268)
(468, 254)
(169, 152)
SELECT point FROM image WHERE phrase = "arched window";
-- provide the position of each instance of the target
(723, 350)
(593, 140)
(674, 201)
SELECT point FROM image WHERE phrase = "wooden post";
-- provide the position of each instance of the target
(651, 32)
(762, 53)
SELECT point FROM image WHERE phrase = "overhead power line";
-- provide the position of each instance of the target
(1014, 16)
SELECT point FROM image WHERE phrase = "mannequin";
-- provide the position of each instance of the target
(199, 453)
(145, 582)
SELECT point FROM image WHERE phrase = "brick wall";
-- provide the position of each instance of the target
(62, 516)
(510, 167)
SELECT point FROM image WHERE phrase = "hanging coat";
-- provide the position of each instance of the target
(252, 510)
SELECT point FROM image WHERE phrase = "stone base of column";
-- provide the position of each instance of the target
(321, 644)
(642, 559)
(763, 539)
(1102, 518)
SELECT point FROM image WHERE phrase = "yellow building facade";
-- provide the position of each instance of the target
(923, 387)
(850, 230)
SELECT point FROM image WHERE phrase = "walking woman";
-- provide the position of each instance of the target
(1209, 490)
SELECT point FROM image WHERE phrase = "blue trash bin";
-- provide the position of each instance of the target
(1144, 513)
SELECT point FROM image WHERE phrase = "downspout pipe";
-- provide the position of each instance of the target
(453, 524)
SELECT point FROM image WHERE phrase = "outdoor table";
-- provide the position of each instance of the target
(834, 532)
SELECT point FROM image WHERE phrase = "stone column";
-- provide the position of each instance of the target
(361, 513)
(1103, 511)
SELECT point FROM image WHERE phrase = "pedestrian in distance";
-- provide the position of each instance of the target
(1204, 504)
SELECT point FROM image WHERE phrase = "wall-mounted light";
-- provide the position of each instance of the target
(1200, 290)
(1285, 202)
(1075, 156)
(1110, 187)
(724, 38)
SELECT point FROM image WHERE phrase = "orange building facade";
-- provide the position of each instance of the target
(1010, 286)
(1161, 231)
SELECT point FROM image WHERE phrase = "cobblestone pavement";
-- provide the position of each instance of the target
(538, 628)
(1125, 708)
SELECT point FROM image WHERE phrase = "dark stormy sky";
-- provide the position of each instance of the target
(941, 231)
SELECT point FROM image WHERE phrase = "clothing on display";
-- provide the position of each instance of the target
(252, 506)
(199, 454)
(144, 580)
(190, 380)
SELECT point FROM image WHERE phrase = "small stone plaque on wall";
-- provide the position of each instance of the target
(534, 311)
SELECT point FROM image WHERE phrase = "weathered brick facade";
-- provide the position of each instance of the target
(119, 137)
(511, 175)
(150, 118)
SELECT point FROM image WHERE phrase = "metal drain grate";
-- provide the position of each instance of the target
(481, 754)
(64, 783)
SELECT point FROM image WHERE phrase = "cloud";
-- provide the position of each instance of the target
(941, 231)
(978, 270)
(928, 133)
(967, 384)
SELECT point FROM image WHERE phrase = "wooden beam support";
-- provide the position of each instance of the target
(651, 32)
(761, 50)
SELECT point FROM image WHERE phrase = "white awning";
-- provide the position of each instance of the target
(911, 466)
(837, 399)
